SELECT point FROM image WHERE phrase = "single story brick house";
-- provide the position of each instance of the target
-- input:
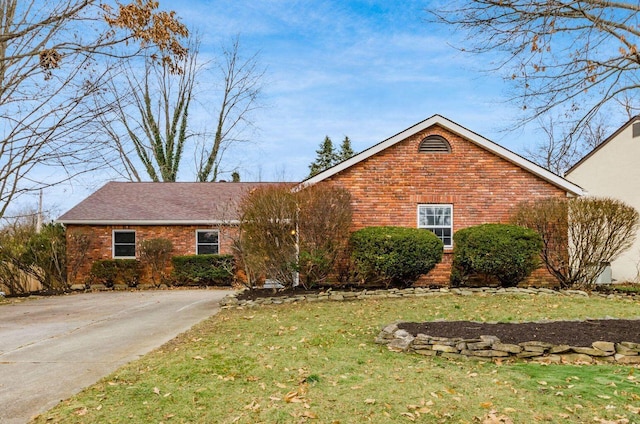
(435, 175)
(198, 218)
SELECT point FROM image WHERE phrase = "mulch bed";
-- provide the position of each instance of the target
(573, 333)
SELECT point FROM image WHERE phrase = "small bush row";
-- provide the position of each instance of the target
(388, 256)
(395, 256)
(198, 270)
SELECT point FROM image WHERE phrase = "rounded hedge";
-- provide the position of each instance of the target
(394, 255)
(507, 252)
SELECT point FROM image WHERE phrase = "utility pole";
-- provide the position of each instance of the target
(39, 216)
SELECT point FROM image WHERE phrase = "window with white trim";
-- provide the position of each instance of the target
(439, 220)
(207, 242)
(124, 244)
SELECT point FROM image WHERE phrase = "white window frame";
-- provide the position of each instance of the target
(433, 227)
(204, 230)
(113, 243)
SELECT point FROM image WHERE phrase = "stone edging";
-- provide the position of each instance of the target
(490, 348)
(231, 301)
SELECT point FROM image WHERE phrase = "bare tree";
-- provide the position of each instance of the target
(578, 56)
(561, 147)
(50, 65)
(241, 89)
(149, 125)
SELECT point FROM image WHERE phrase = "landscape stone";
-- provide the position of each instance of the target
(511, 348)
(486, 353)
(559, 349)
(591, 351)
(528, 354)
(537, 344)
(606, 346)
(551, 359)
(635, 346)
(624, 359)
(479, 345)
(576, 358)
(623, 350)
(444, 348)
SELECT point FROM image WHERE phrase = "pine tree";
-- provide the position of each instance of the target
(345, 150)
(325, 157)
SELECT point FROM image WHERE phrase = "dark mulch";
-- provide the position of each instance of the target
(574, 333)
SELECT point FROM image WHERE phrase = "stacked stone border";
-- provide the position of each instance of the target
(232, 301)
(490, 348)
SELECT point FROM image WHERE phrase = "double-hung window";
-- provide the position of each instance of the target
(207, 242)
(439, 220)
(124, 244)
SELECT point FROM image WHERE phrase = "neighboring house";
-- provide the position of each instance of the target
(442, 177)
(612, 170)
(197, 217)
(435, 175)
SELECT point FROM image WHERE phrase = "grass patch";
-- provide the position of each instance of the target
(316, 362)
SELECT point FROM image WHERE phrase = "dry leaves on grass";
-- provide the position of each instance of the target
(493, 418)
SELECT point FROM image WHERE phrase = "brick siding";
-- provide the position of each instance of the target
(387, 188)
(183, 238)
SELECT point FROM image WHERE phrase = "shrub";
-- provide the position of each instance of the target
(266, 244)
(203, 270)
(507, 252)
(324, 219)
(283, 232)
(580, 235)
(116, 271)
(28, 255)
(394, 255)
(156, 253)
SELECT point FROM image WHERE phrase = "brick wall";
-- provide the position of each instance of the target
(482, 187)
(183, 238)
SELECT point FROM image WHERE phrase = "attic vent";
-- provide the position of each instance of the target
(434, 144)
(636, 130)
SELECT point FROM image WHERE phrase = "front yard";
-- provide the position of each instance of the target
(317, 362)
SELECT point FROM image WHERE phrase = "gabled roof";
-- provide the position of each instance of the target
(461, 131)
(128, 203)
(601, 145)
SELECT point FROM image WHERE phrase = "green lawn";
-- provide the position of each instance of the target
(316, 362)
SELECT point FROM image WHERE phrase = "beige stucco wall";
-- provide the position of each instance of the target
(614, 171)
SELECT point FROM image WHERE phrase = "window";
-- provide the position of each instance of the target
(434, 144)
(124, 244)
(207, 242)
(439, 220)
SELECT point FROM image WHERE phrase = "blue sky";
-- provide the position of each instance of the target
(363, 69)
(366, 69)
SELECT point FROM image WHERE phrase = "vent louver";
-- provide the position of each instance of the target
(434, 144)
(636, 130)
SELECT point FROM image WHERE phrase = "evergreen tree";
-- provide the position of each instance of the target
(235, 176)
(345, 150)
(325, 157)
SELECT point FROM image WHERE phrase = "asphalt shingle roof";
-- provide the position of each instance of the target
(128, 202)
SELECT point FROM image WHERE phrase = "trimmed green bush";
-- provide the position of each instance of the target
(203, 270)
(116, 271)
(394, 255)
(507, 252)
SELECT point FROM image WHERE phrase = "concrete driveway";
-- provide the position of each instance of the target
(51, 348)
